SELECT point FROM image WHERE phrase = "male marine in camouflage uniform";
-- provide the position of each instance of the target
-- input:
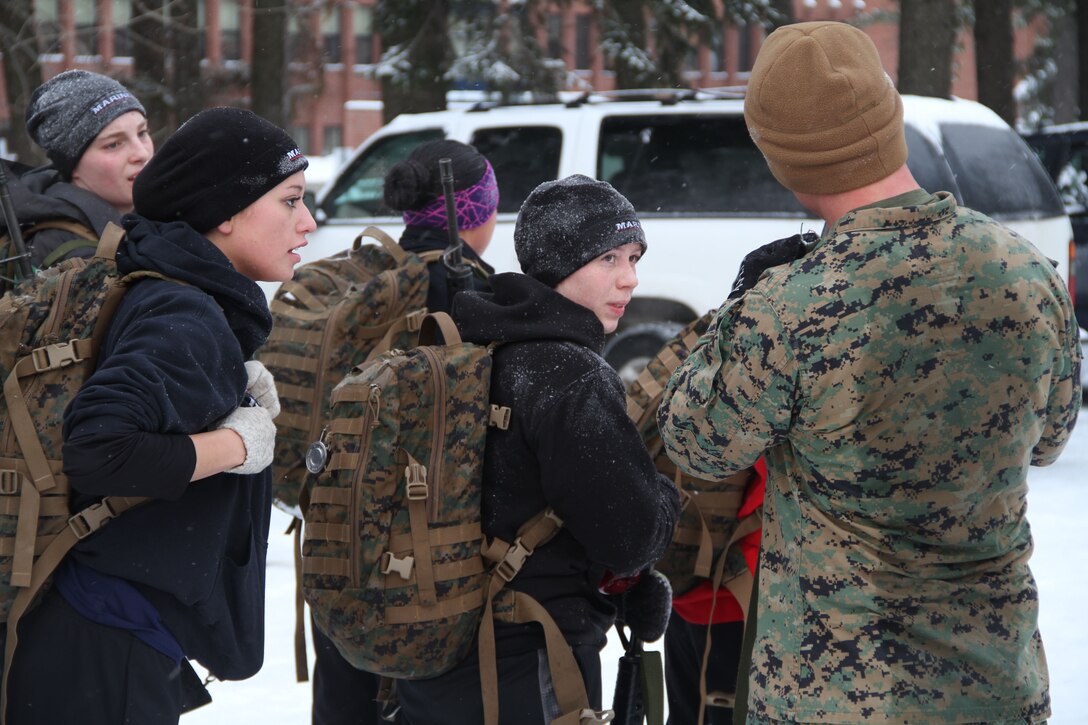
(899, 378)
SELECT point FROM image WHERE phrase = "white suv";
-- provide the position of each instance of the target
(702, 189)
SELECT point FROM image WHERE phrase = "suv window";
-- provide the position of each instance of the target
(359, 190)
(928, 167)
(691, 164)
(983, 157)
(523, 158)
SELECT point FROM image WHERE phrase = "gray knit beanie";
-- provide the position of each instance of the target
(564, 224)
(69, 110)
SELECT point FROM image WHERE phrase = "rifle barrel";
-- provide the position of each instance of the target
(12, 222)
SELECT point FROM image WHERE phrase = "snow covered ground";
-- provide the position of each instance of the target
(1058, 505)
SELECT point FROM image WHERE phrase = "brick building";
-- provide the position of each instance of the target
(338, 102)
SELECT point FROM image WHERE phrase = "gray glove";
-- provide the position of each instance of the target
(262, 387)
(254, 424)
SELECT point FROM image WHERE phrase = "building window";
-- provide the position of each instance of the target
(45, 12)
(86, 17)
(554, 25)
(301, 135)
(230, 29)
(363, 27)
(122, 41)
(332, 50)
(744, 48)
(297, 45)
(717, 49)
(332, 138)
(581, 41)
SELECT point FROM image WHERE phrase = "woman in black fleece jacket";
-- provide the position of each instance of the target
(569, 446)
(178, 412)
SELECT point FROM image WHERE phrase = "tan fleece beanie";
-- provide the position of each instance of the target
(823, 111)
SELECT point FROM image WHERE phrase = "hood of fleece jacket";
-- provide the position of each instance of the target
(522, 309)
(176, 250)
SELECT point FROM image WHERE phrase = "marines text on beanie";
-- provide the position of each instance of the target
(68, 111)
(215, 165)
(823, 111)
(564, 224)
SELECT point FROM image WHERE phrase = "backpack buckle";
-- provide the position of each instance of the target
(91, 519)
(391, 564)
(513, 560)
(57, 355)
(414, 320)
(416, 487)
(9, 481)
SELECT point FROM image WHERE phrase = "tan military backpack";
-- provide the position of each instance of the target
(396, 568)
(51, 327)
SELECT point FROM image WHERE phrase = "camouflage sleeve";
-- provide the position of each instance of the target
(733, 397)
(1064, 400)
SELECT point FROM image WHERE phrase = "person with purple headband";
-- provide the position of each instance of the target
(343, 695)
(414, 187)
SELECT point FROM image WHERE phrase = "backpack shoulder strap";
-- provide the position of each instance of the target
(520, 608)
(84, 238)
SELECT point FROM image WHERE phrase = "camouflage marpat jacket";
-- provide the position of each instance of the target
(901, 378)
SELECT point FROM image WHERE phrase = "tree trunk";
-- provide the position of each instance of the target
(148, 31)
(994, 62)
(22, 74)
(927, 34)
(784, 10)
(629, 19)
(269, 65)
(418, 29)
(186, 82)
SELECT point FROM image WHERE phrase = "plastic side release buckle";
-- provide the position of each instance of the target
(403, 567)
(514, 559)
(91, 519)
(414, 320)
(57, 355)
(416, 474)
(9, 481)
(500, 416)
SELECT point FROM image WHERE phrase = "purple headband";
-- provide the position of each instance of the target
(473, 206)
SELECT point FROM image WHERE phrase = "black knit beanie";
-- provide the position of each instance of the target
(215, 165)
(69, 110)
(564, 224)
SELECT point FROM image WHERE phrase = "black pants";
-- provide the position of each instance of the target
(684, 645)
(525, 693)
(342, 695)
(68, 669)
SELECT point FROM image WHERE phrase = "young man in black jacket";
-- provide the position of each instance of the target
(570, 446)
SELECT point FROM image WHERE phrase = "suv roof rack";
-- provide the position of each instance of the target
(665, 96)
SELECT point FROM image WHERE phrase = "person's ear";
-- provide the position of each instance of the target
(225, 227)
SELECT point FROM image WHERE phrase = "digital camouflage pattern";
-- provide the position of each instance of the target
(327, 319)
(708, 519)
(901, 378)
(51, 317)
(416, 417)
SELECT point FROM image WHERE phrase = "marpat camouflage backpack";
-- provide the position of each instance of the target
(395, 566)
(327, 319)
(51, 327)
(708, 525)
